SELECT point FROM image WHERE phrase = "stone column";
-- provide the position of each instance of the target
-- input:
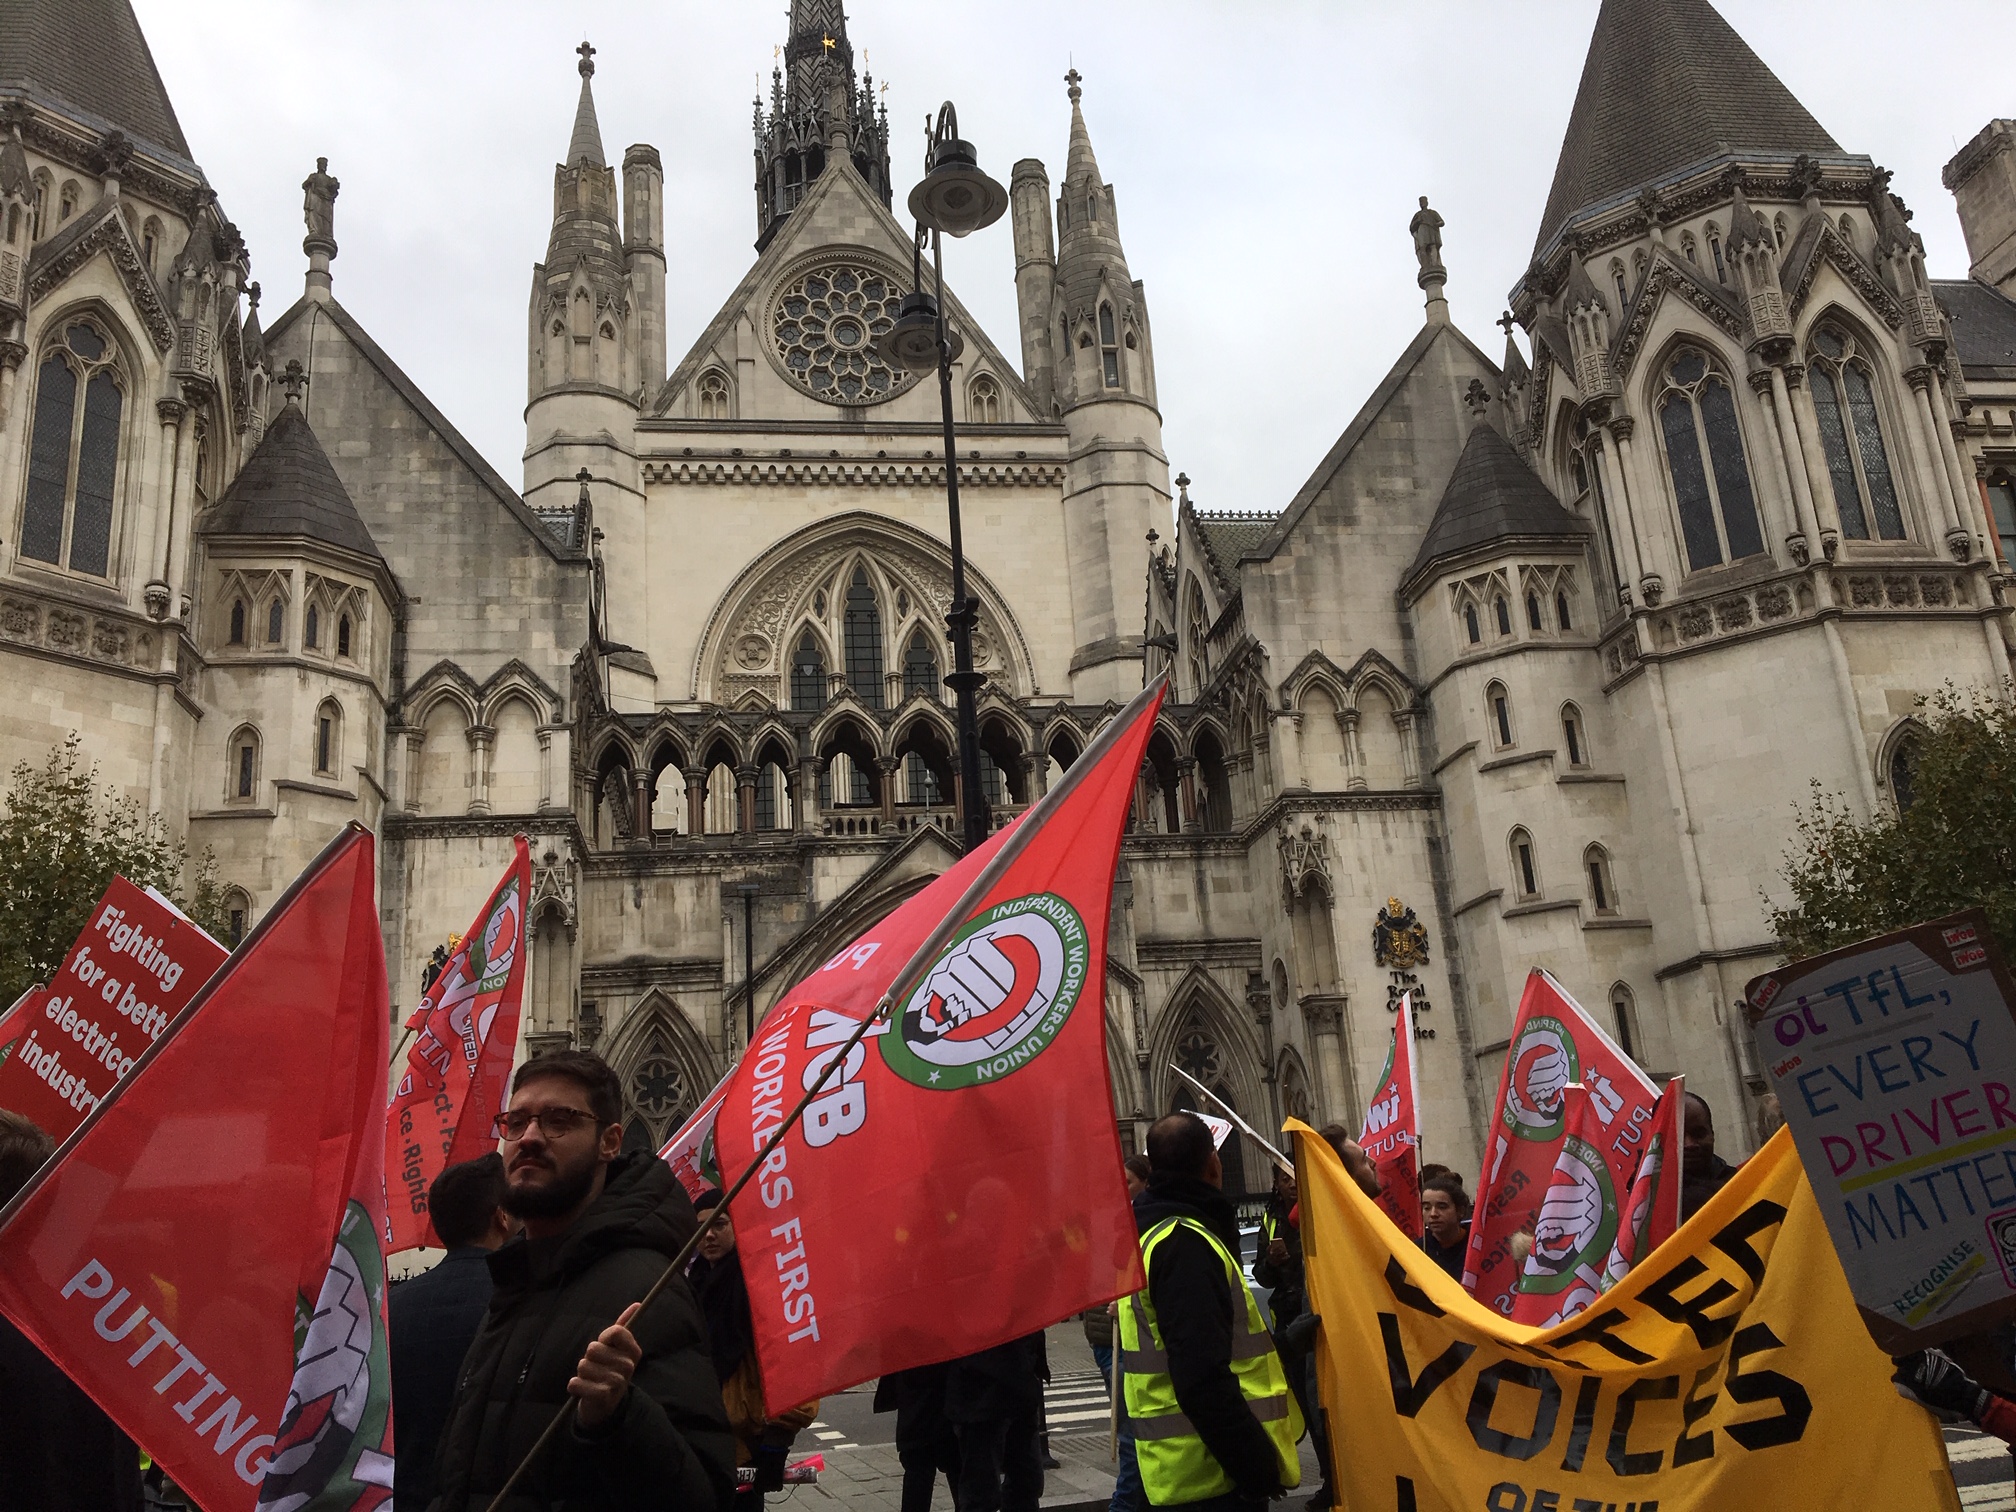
(545, 768)
(172, 413)
(12, 354)
(805, 801)
(1288, 736)
(745, 799)
(1405, 721)
(480, 738)
(1613, 461)
(1354, 753)
(1324, 1017)
(1186, 791)
(885, 767)
(1925, 444)
(178, 527)
(415, 739)
(696, 802)
(1782, 521)
(1806, 422)
(1794, 462)
(1967, 500)
(1260, 1003)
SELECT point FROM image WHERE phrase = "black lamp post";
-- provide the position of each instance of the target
(954, 199)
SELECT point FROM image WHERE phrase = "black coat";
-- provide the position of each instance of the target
(669, 1446)
(1194, 1310)
(433, 1318)
(58, 1451)
(1001, 1382)
(1287, 1297)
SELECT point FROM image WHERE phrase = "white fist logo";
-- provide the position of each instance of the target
(970, 983)
(1543, 1066)
(977, 978)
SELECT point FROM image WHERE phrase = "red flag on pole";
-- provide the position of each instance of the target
(1540, 1177)
(959, 1183)
(690, 1150)
(458, 1071)
(222, 1201)
(137, 964)
(1392, 1133)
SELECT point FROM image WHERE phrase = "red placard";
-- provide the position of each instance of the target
(1392, 1132)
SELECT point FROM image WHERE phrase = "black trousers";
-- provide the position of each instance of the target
(926, 1447)
(1000, 1463)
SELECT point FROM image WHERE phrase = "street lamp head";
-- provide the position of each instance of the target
(912, 342)
(955, 197)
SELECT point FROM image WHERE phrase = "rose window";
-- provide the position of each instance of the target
(824, 324)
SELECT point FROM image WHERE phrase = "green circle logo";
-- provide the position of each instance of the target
(1542, 1064)
(1576, 1223)
(996, 999)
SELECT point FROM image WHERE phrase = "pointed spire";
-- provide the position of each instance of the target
(585, 146)
(1667, 84)
(1079, 165)
(1746, 227)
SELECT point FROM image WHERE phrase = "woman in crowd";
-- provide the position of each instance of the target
(761, 1440)
(1445, 1222)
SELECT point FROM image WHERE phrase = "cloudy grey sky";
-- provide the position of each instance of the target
(1266, 159)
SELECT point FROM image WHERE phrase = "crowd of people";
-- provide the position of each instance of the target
(561, 1233)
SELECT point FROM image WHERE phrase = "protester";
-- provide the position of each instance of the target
(1127, 1494)
(1215, 1427)
(1278, 1266)
(994, 1402)
(1363, 1172)
(761, 1438)
(436, 1314)
(648, 1429)
(925, 1444)
(58, 1451)
(1136, 1167)
(1098, 1325)
(1703, 1173)
(1931, 1378)
(1445, 1222)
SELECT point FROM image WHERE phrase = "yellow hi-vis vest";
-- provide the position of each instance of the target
(1175, 1465)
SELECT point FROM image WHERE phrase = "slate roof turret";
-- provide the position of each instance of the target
(289, 488)
(1492, 497)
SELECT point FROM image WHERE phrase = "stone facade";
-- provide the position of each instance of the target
(1533, 671)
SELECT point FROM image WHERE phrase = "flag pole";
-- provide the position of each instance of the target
(1273, 1154)
(1013, 843)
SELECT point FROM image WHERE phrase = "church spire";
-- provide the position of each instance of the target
(1668, 84)
(1079, 163)
(584, 147)
(816, 108)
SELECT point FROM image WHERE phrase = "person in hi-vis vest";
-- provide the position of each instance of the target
(1214, 1423)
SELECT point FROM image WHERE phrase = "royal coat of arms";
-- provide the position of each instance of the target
(1399, 940)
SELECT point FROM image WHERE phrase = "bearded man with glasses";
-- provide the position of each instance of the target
(649, 1430)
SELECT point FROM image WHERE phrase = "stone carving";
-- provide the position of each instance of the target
(824, 325)
(1696, 620)
(1935, 590)
(18, 620)
(1901, 589)
(1774, 603)
(1304, 854)
(1399, 939)
(1732, 613)
(66, 631)
(752, 651)
(1426, 229)
(318, 203)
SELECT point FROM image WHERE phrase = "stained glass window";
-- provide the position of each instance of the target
(864, 641)
(1704, 454)
(1851, 434)
(276, 619)
(73, 456)
(920, 668)
(808, 675)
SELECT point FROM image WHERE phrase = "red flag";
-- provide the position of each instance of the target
(1652, 1208)
(14, 1022)
(958, 1182)
(1561, 1187)
(1392, 1132)
(137, 964)
(225, 1199)
(458, 1072)
(690, 1150)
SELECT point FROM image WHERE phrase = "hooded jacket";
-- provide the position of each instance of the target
(1193, 1308)
(668, 1446)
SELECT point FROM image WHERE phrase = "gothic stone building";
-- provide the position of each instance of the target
(1533, 670)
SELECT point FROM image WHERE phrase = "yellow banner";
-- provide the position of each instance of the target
(1728, 1370)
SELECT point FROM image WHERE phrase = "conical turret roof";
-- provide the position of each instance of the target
(1668, 83)
(1492, 496)
(288, 487)
(585, 145)
(91, 54)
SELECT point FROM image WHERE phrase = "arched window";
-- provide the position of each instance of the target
(1572, 737)
(73, 456)
(1858, 464)
(238, 916)
(808, 674)
(311, 628)
(1498, 704)
(1617, 278)
(150, 244)
(238, 622)
(713, 391)
(276, 622)
(920, 667)
(328, 737)
(1903, 774)
(1715, 250)
(1470, 625)
(1687, 249)
(1110, 343)
(1525, 866)
(1704, 454)
(2002, 503)
(1561, 619)
(343, 635)
(983, 401)
(1624, 1013)
(1602, 888)
(1502, 612)
(1533, 620)
(1091, 208)
(863, 637)
(67, 205)
(38, 210)
(1778, 231)
(241, 783)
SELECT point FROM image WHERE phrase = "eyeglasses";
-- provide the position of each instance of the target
(555, 1123)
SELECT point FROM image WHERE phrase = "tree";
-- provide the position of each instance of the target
(1949, 845)
(61, 842)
